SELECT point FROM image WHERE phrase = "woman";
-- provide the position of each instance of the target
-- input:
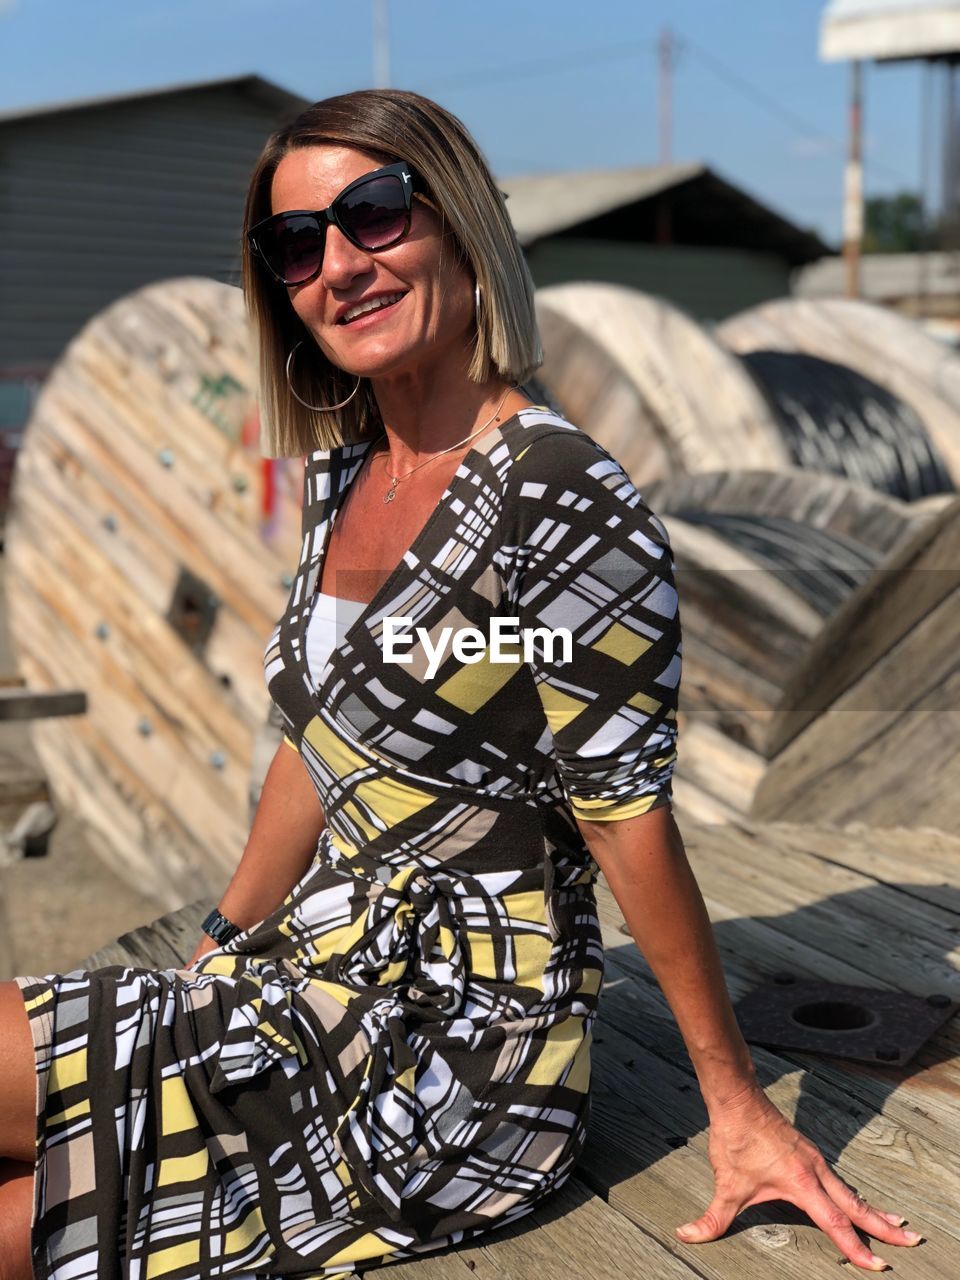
(383, 1045)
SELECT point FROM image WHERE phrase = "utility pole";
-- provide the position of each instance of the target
(666, 57)
(381, 45)
(667, 60)
(853, 189)
(950, 184)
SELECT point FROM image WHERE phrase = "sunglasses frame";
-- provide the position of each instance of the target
(410, 184)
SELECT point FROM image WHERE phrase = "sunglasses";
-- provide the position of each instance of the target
(374, 212)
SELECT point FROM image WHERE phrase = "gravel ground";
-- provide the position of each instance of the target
(56, 909)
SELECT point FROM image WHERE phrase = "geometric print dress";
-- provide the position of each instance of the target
(398, 1057)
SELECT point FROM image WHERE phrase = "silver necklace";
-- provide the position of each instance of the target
(391, 492)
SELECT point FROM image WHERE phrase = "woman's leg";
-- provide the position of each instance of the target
(18, 1079)
(16, 1211)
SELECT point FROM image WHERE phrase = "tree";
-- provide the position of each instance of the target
(895, 224)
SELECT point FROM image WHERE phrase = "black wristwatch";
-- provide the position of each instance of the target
(219, 928)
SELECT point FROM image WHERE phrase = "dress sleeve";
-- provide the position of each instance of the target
(586, 553)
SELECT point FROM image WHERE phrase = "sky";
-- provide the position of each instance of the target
(543, 85)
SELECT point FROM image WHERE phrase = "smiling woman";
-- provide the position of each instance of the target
(383, 1044)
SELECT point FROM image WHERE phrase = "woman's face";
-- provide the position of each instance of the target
(434, 310)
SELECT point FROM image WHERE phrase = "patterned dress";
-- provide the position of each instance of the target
(398, 1058)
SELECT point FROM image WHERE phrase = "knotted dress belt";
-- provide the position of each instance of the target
(408, 943)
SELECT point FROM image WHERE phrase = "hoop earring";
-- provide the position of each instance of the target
(328, 408)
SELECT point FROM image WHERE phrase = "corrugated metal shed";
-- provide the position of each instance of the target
(887, 29)
(100, 197)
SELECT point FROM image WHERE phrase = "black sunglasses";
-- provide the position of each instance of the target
(373, 213)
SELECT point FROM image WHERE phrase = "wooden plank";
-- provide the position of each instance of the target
(19, 704)
(895, 940)
(651, 1158)
(922, 1095)
(575, 1233)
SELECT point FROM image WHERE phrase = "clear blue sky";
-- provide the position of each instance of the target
(542, 84)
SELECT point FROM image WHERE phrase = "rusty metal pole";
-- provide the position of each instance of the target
(853, 187)
(666, 51)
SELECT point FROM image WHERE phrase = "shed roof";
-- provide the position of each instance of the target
(544, 203)
(888, 29)
(610, 203)
(255, 86)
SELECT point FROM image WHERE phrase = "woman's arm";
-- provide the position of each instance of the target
(757, 1155)
(282, 841)
(645, 864)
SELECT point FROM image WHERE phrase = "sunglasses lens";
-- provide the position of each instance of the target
(375, 214)
(293, 248)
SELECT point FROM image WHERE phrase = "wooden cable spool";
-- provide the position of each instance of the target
(859, 390)
(822, 533)
(753, 606)
(868, 730)
(650, 385)
(144, 568)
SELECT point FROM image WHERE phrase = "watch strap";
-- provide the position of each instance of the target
(219, 928)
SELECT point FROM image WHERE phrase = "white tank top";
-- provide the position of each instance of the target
(331, 619)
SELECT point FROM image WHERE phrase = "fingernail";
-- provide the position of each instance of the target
(914, 1237)
(684, 1232)
(895, 1218)
(879, 1264)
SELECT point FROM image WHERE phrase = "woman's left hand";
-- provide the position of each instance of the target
(757, 1155)
(205, 945)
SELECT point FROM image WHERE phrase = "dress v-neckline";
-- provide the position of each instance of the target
(336, 503)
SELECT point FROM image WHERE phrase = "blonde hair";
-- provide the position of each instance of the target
(396, 125)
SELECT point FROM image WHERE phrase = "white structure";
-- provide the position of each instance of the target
(888, 29)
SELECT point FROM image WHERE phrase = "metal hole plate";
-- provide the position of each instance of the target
(895, 1026)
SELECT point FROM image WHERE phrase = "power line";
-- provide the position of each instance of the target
(776, 108)
(545, 65)
(551, 64)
